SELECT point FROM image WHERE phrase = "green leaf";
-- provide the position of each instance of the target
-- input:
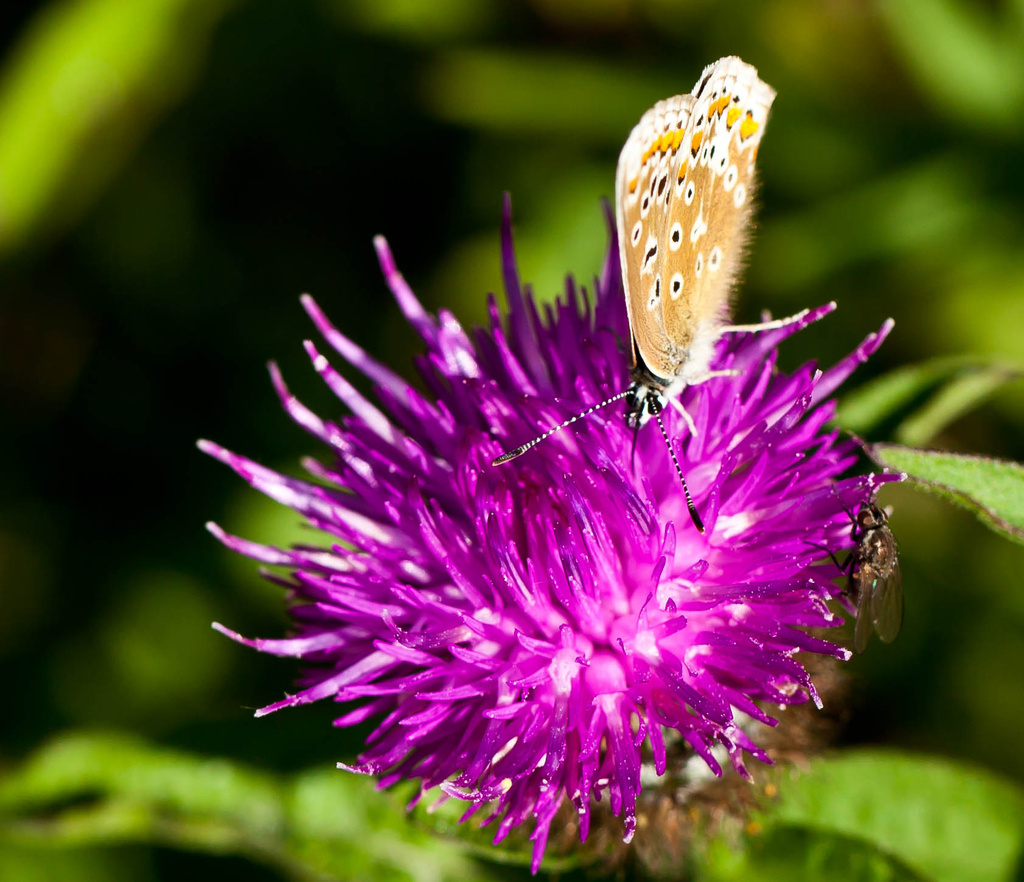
(91, 790)
(917, 209)
(948, 404)
(971, 65)
(527, 94)
(803, 855)
(993, 489)
(116, 766)
(940, 820)
(926, 396)
(83, 84)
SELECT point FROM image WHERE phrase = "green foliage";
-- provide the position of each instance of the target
(862, 815)
(86, 82)
(991, 488)
(174, 172)
(969, 62)
(91, 790)
(922, 399)
(940, 820)
(879, 815)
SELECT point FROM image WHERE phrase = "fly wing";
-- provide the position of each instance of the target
(649, 161)
(887, 603)
(862, 630)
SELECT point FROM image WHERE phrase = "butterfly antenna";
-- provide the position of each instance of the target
(522, 448)
(697, 522)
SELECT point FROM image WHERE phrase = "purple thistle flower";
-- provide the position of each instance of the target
(526, 633)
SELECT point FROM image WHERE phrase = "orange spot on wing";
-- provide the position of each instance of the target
(682, 170)
(731, 117)
(649, 152)
(632, 185)
(666, 141)
(696, 142)
(748, 126)
(677, 140)
(720, 105)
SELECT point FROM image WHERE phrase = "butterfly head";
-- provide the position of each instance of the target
(642, 402)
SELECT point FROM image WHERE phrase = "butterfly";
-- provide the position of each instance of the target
(683, 199)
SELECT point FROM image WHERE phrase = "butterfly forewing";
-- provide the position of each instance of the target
(683, 192)
(641, 217)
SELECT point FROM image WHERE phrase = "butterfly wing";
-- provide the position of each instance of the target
(683, 195)
(649, 159)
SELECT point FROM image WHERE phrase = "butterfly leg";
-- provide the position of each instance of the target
(765, 326)
(685, 413)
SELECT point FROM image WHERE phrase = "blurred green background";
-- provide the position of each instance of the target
(174, 173)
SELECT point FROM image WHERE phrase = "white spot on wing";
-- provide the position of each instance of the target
(650, 252)
(721, 156)
(655, 296)
(715, 259)
(700, 226)
(729, 181)
(675, 236)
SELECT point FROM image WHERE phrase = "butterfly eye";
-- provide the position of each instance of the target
(676, 286)
(689, 194)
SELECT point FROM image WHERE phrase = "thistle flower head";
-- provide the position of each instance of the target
(525, 634)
